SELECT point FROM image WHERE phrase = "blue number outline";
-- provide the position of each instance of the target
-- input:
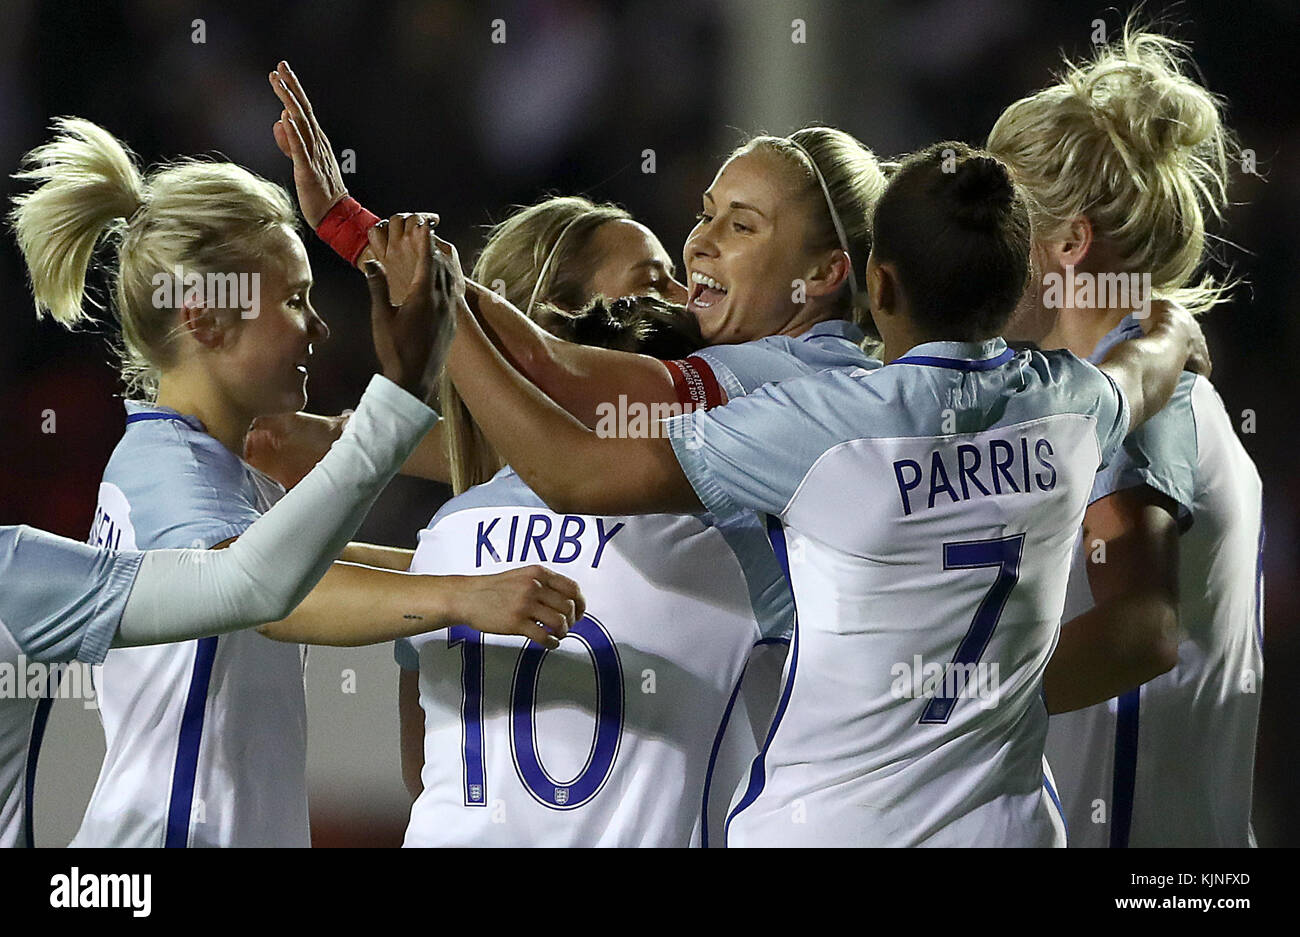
(610, 715)
(610, 709)
(978, 554)
(471, 723)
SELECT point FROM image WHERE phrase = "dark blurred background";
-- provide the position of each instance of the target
(441, 118)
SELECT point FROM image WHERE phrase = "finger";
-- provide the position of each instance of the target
(297, 145)
(553, 621)
(423, 265)
(377, 282)
(378, 237)
(291, 103)
(281, 138)
(398, 223)
(539, 635)
(566, 587)
(446, 247)
(556, 604)
(291, 79)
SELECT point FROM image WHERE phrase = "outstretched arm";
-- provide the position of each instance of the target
(579, 378)
(356, 605)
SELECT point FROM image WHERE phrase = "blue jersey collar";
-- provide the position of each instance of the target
(959, 356)
(139, 411)
(1128, 328)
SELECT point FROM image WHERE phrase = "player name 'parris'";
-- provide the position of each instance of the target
(995, 467)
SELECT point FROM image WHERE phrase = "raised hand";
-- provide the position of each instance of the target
(534, 602)
(405, 335)
(316, 173)
(288, 445)
(1173, 317)
(392, 246)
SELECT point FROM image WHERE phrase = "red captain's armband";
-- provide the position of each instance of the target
(695, 384)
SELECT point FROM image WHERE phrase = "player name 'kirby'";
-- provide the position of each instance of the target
(541, 538)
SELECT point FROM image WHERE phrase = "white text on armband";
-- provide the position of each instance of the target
(954, 474)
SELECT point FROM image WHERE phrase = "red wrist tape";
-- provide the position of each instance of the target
(346, 227)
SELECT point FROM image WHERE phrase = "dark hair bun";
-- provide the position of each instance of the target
(956, 229)
(982, 191)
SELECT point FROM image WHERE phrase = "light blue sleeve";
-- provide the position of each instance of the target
(752, 454)
(186, 490)
(743, 369)
(62, 600)
(769, 590)
(1161, 454)
(1091, 391)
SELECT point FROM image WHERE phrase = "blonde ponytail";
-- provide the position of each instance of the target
(198, 216)
(1131, 142)
(88, 184)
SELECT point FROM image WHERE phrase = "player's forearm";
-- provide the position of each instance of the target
(370, 554)
(430, 460)
(569, 467)
(1114, 648)
(530, 432)
(580, 378)
(358, 605)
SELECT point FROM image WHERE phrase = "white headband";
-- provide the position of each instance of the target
(835, 216)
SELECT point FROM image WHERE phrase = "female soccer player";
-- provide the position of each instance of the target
(782, 223)
(64, 601)
(1126, 157)
(928, 510)
(205, 739)
(513, 746)
(775, 268)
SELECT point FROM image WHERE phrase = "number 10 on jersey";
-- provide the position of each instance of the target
(608, 732)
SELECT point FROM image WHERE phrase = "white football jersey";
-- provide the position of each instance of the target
(636, 730)
(1172, 763)
(206, 739)
(929, 511)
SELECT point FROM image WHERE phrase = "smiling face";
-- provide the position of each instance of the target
(629, 261)
(263, 362)
(749, 246)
